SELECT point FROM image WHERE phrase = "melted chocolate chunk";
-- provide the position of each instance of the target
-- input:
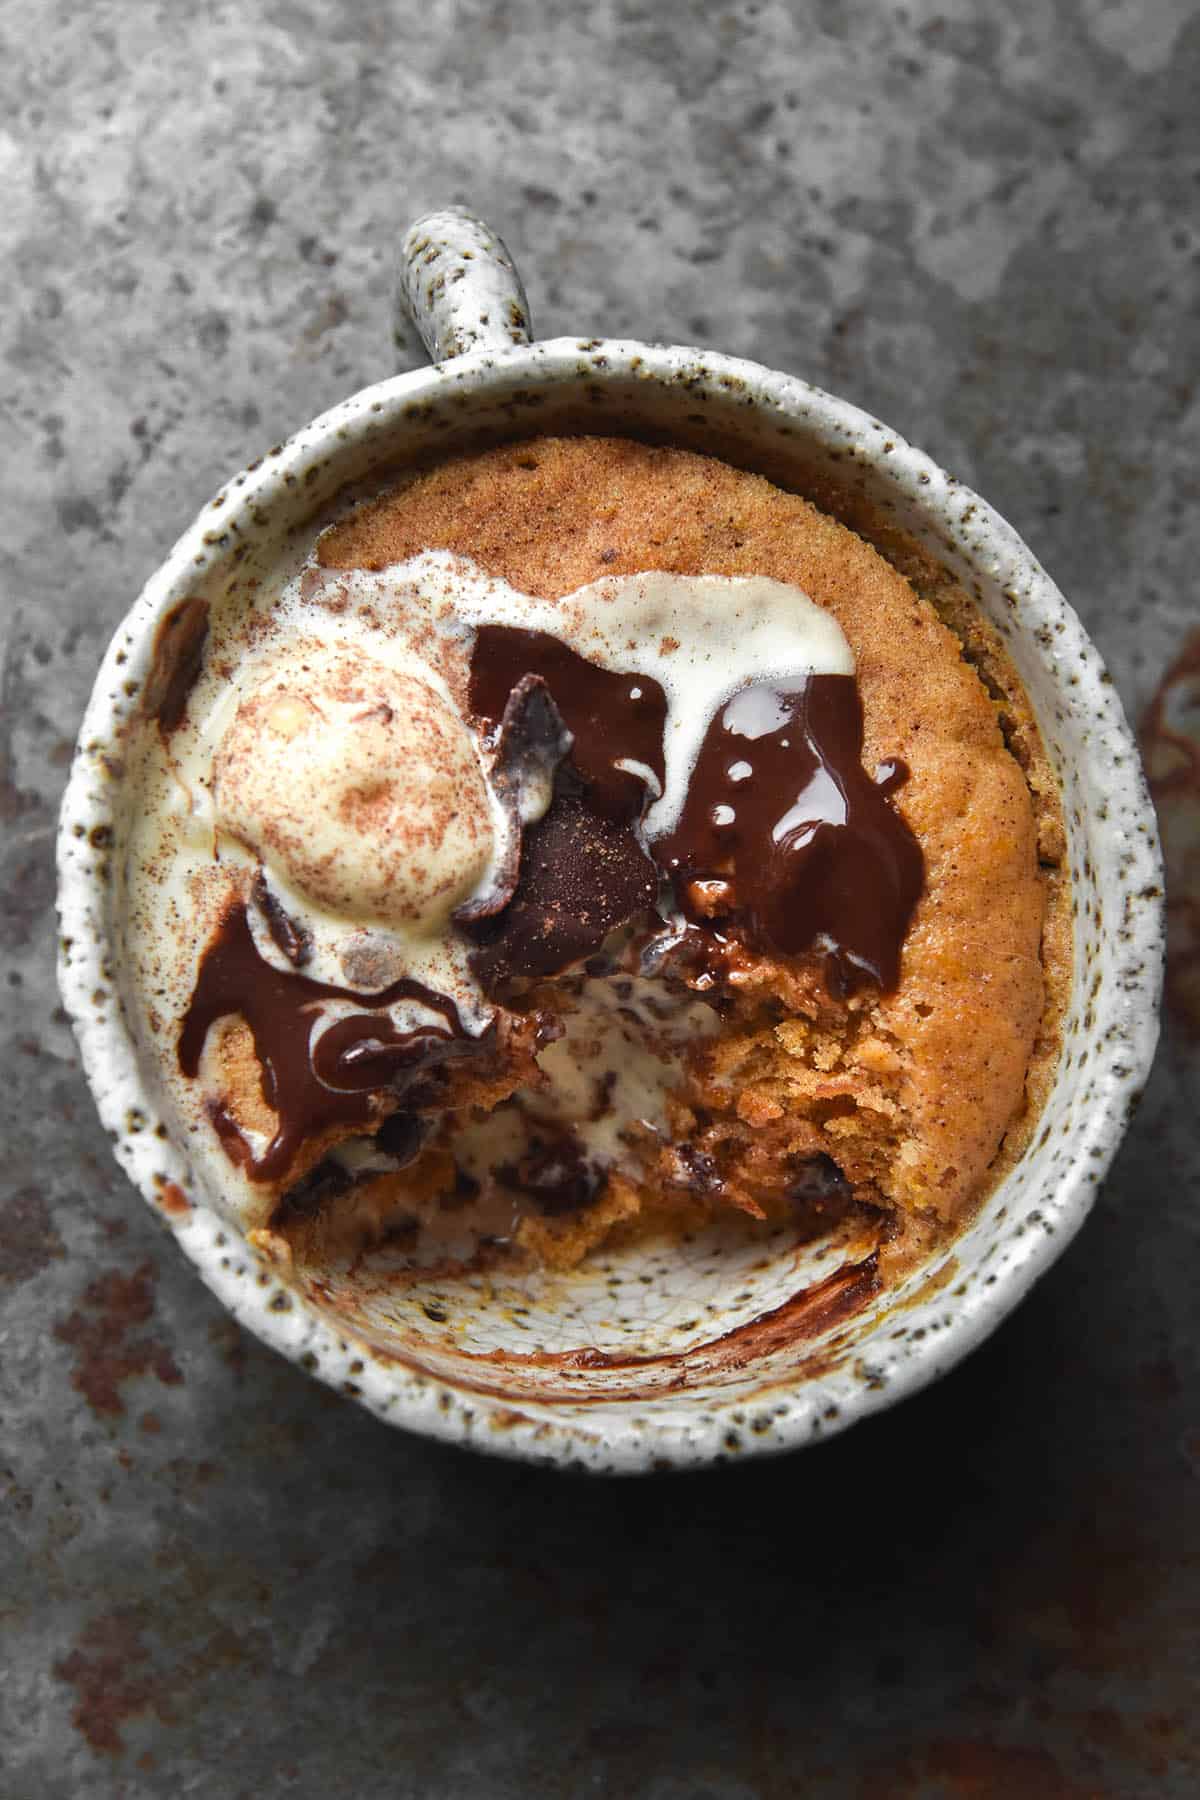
(582, 875)
(612, 718)
(402, 1137)
(693, 1169)
(603, 1089)
(530, 745)
(697, 957)
(532, 741)
(305, 1199)
(310, 1085)
(554, 1175)
(822, 1197)
(785, 839)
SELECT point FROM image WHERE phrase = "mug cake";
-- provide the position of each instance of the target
(583, 839)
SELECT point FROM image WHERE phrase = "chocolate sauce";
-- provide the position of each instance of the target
(311, 1086)
(177, 658)
(612, 718)
(785, 839)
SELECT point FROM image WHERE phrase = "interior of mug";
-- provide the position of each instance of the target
(738, 1317)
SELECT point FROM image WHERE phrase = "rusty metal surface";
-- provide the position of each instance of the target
(979, 223)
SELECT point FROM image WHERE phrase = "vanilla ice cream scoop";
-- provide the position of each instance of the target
(357, 784)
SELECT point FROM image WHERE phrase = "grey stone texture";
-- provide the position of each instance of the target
(980, 223)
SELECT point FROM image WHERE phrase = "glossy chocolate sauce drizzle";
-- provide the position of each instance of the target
(612, 718)
(783, 841)
(310, 1086)
(786, 838)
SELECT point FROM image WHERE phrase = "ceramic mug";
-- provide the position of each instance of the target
(657, 1356)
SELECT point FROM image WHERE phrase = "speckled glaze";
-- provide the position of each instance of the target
(661, 1358)
(458, 285)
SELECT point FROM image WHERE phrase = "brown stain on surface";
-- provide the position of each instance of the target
(104, 1331)
(227, 1336)
(106, 1669)
(132, 1660)
(29, 1242)
(1170, 740)
(973, 1769)
(1148, 1743)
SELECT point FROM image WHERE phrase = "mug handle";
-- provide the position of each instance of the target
(458, 285)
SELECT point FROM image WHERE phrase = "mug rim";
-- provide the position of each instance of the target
(396, 1392)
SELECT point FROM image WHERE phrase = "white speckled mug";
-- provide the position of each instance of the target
(652, 1357)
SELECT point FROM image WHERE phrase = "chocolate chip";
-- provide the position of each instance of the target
(306, 1197)
(554, 1175)
(693, 1169)
(402, 1137)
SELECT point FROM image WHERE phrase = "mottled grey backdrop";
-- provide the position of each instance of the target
(979, 222)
